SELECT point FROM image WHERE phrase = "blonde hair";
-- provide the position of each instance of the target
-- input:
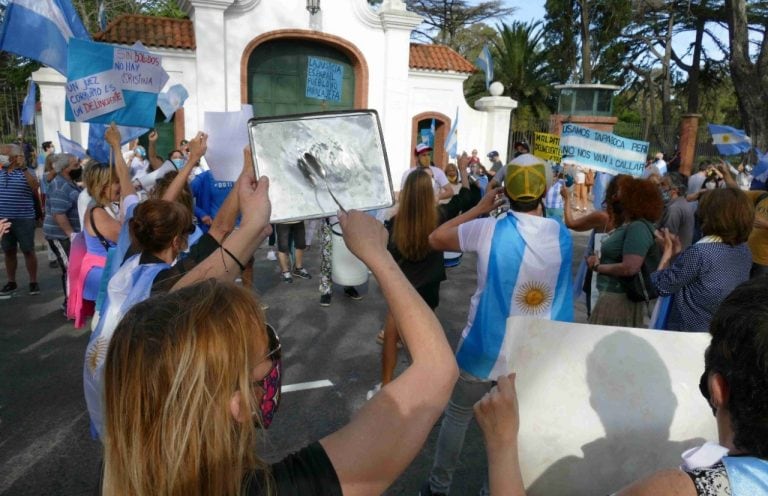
(174, 364)
(416, 216)
(98, 179)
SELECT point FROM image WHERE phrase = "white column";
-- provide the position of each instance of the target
(398, 24)
(52, 99)
(497, 111)
(210, 60)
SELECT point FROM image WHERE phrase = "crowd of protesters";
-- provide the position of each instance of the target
(151, 249)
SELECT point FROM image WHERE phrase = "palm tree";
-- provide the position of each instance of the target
(520, 64)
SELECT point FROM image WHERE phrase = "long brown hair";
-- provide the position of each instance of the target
(416, 216)
(173, 366)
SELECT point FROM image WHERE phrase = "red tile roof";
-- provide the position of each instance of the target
(162, 32)
(438, 58)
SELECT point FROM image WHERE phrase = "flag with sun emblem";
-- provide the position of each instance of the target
(529, 274)
(129, 286)
(729, 140)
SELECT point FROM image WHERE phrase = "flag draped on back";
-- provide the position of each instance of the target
(40, 30)
(729, 140)
(28, 108)
(529, 273)
(72, 147)
(485, 62)
(451, 142)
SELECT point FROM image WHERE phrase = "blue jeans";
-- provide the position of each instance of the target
(468, 391)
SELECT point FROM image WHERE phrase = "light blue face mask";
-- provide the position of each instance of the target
(177, 162)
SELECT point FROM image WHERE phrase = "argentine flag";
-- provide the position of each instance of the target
(28, 107)
(40, 30)
(729, 140)
(70, 146)
(485, 62)
(451, 144)
(528, 274)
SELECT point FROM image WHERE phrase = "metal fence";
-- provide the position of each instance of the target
(11, 100)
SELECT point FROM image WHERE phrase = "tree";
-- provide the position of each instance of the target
(749, 71)
(89, 10)
(520, 63)
(584, 37)
(443, 19)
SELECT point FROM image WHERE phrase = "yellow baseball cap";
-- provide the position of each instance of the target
(525, 181)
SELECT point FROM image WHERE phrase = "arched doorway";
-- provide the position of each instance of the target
(293, 71)
(421, 131)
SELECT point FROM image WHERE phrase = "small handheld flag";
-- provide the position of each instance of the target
(729, 140)
(485, 62)
(28, 108)
(451, 143)
(70, 146)
(102, 16)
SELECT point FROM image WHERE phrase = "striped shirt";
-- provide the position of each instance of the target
(16, 198)
(553, 198)
(61, 199)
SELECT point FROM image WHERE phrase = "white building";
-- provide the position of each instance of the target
(234, 52)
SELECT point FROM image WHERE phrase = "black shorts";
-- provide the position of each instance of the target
(287, 231)
(22, 232)
(430, 293)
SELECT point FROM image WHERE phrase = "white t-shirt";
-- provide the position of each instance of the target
(438, 175)
(83, 200)
(661, 164)
(138, 167)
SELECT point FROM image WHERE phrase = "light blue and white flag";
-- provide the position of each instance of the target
(760, 172)
(172, 100)
(729, 140)
(451, 143)
(41, 30)
(529, 273)
(485, 63)
(70, 146)
(98, 148)
(28, 108)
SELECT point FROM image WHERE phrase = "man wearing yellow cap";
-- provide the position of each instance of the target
(523, 268)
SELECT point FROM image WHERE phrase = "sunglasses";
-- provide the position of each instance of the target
(270, 384)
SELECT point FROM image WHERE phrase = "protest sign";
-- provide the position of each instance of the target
(603, 406)
(130, 76)
(602, 151)
(547, 146)
(94, 95)
(324, 79)
(227, 136)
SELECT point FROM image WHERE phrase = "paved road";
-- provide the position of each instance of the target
(45, 447)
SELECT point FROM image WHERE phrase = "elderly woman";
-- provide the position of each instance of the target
(625, 251)
(702, 276)
(192, 426)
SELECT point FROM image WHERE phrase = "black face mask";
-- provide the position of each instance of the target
(76, 174)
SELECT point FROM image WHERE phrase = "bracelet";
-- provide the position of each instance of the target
(239, 264)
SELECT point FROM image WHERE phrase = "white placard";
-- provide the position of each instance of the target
(139, 70)
(227, 136)
(95, 95)
(602, 406)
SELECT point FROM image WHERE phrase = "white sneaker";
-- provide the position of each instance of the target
(271, 255)
(370, 394)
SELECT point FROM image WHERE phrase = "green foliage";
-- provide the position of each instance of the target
(443, 19)
(520, 63)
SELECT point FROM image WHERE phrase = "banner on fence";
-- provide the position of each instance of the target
(547, 146)
(602, 151)
(106, 83)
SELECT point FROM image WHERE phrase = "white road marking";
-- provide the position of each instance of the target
(301, 386)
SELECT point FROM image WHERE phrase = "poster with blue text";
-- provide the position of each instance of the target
(602, 151)
(324, 79)
(107, 83)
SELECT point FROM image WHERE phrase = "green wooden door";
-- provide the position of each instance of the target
(277, 78)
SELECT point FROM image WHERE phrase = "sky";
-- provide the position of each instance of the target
(528, 10)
